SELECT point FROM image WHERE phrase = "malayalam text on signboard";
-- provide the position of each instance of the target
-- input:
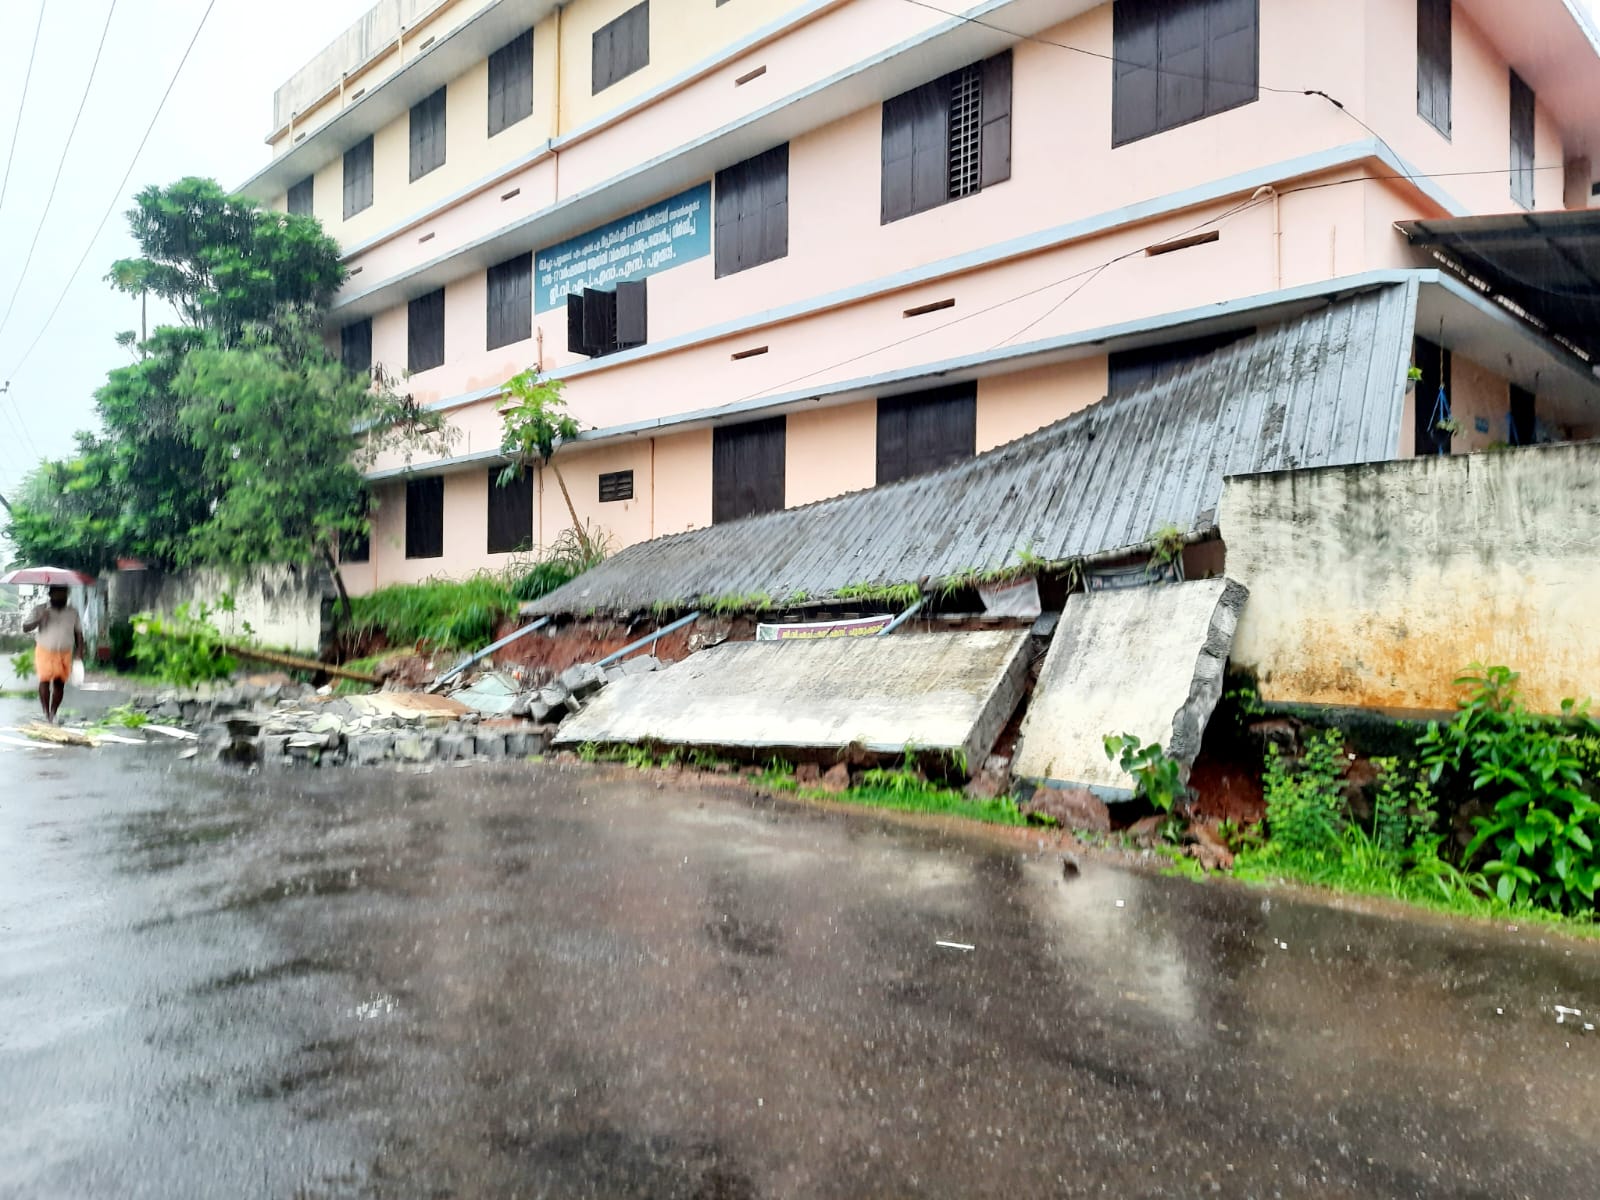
(664, 235)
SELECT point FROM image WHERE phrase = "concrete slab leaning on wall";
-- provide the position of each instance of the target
(1376, 585)
(937, 692)
(1147, 661)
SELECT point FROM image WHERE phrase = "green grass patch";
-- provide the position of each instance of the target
(444, 614)
(931, 801)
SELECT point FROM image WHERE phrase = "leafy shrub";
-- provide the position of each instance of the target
(1305, 798)
(439, 613)
(22, 663)
(183, 649)
(1541, 835)
(1157, 777)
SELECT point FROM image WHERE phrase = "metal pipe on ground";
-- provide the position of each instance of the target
(485, 652)
(648, 640)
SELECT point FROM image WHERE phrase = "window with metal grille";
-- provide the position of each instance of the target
(425, 517)
(355, 346)
(1522, 123)
(511, 83)
(427, 135)
(947, 139)
(927, 430)
(1178, 61)
(600, 323)
(425, 332)
(965, 125)
(747, 469)
(1434, 63)
(300, 195)
(616, 485)
(621, 48)
(510, 513)
(752, 212)
(510, 301)
(358, 178)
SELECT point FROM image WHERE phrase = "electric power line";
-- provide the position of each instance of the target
(116, 195)
(27, 77)
(61, 163)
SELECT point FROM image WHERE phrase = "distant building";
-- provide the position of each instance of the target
(780, 250)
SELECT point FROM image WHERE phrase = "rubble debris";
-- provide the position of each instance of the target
(1073, 808)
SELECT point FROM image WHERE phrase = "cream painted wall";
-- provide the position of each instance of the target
(830, 451)
(1013, 405)
(1375, 585)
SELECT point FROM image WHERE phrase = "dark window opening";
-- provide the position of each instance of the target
(1524, 425)
(621, 48)
(510, 301)
(1179, 61)
(747, 469)
(355, 547)
(752, 212)
(1129, 370)
(300, 196)
(601, 323)
(510, 513)
(511, 83)
(1434, 63)
(425, 517)
(1522, 123)
(425, 332)
(427, 135)
(358, 178)
(1434, 362)
(616, 485)
(926, 430)
(355, 346)
(947, 139)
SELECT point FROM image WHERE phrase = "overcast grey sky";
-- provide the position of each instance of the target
(212, 125)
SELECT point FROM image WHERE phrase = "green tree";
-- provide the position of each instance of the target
(534, 423)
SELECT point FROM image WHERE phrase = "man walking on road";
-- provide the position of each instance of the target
(57, 639)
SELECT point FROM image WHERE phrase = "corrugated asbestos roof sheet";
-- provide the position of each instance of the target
(1322, 390)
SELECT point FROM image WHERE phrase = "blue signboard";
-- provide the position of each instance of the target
(664, 235)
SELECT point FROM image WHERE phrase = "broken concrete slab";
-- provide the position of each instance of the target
(1147, 661)
(494, 694)
(937, 692)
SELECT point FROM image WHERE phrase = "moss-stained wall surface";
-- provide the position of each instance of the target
(1375, 585)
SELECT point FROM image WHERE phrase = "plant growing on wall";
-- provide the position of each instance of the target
(534, 422)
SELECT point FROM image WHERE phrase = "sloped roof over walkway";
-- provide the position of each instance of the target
(1322, 390)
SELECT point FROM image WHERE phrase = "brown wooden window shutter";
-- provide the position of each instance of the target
(995, 148)
(300, 197)
(575, 344)
(358, 178)
(632, 320)
(511, 83)
(1522, 141)
(747, 469)
(510, 513)
(1434, 65)
(427, 134)
(1179, 61)
(751, 216)
(620, 48)
(355, 346)
(927, 430)
(510, 288)
(425, 332)
(425, 517)
(947, 139)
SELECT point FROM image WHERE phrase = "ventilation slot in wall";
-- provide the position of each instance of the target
(357, 94)
(749, 75)
(427, 237)
(751, 353)
(299, 137)
(354, 271)
(923, 310)
(425, 45)
(512, 194)
(1183, 243)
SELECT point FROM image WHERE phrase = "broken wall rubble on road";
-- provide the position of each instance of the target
(1147, 661)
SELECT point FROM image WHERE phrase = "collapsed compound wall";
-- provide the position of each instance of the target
(1375, 585)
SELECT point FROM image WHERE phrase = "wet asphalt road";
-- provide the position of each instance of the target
(529, 981)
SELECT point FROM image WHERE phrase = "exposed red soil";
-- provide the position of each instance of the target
(1226, 791)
